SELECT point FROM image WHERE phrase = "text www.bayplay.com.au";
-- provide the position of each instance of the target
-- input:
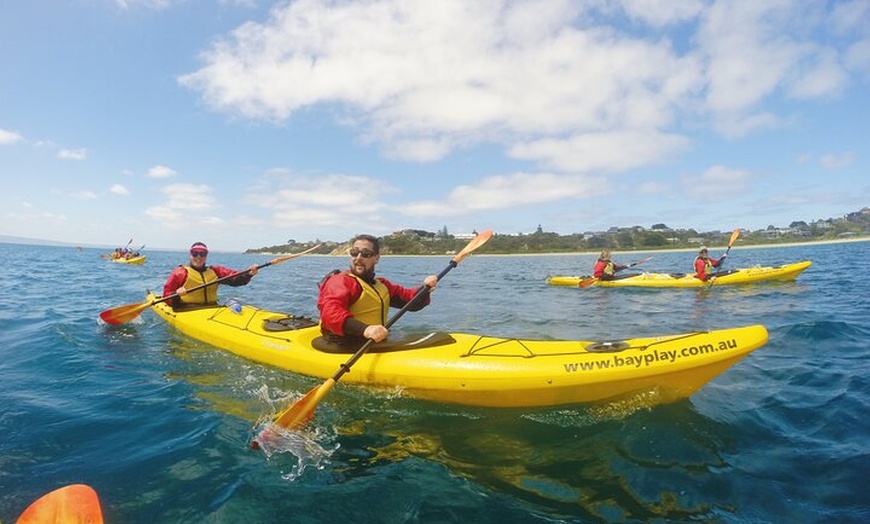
(647, 359)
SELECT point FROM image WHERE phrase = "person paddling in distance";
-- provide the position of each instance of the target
(704, 264)
(196, 273)
(354, 303)
(605, 268)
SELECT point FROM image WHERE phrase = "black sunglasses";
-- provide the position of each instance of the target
(198, 253)
(365, 253)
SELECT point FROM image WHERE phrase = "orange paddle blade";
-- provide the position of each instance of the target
(302, 410)
(586, 282)
(734, 236)
(123, 314)
(479, 240)
(73, 504)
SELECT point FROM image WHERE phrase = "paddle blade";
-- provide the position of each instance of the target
(123, 314)
(301, 412)
(587, 282)
(73, 504)
(734, 236)
(479, 240)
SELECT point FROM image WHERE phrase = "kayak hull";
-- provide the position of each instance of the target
(137, 261)
(477, 370)
(748, 275)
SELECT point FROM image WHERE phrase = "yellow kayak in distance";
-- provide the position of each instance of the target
(475, 370)
(785, 272)
(138, 261)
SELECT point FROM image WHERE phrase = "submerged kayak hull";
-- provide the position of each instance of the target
(748, 275)
(486, 371)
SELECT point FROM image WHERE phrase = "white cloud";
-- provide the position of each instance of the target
(186, 205)
(189, 197)
(118, 189)
(858, 57)
(717, 183)
(421, 79)
(161, 172)
(325, 199)
(750, 60)
(837, 161)
(468, 72)
(595, 152)
(9, 137)
(73, 154)
(84, 195)
(650, 188)
(658, 13)
(508, 191)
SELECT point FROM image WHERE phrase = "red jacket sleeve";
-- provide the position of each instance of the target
(337, 293)
(176, 280)
(400, 295)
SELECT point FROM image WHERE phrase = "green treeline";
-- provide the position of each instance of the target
(659, 236)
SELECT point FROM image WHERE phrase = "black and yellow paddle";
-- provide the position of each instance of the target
(123, 314)
(301, 411)
(588, 281)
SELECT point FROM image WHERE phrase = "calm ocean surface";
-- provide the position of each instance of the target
(159, 424)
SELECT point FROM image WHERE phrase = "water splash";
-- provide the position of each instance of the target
(312, 448)
(305, 445)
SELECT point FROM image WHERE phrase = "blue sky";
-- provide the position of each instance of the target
(248, 123)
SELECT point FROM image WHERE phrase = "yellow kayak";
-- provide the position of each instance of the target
(132, 260)
(682, 280)
(478, 370)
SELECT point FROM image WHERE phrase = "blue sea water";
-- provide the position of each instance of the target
(159, 424)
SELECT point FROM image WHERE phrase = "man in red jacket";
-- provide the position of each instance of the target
(704, 264)
(354, 303)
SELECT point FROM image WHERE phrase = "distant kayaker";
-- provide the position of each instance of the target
(354, 304)
(197, 273)
(704, 264)
(605, 268)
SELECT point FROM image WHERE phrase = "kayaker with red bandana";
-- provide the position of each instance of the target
(196, 273)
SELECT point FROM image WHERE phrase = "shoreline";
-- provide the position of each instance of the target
(674, 250)
(613, 251)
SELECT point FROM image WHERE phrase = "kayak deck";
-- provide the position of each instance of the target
(485, 371)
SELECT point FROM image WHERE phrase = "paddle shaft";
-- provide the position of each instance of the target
(234, 275)
(640, 262)
(731, 241)
(424, 290)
